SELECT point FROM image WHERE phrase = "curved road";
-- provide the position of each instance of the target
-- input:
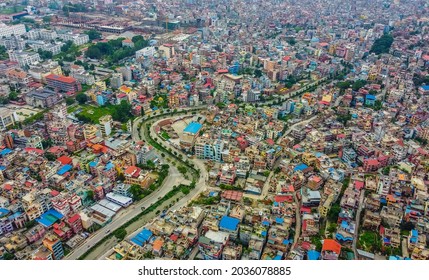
(125, 215)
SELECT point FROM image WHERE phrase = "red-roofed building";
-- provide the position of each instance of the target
(232, 195)
(370, 165)
(331, 249)
(75, 223)
(359, 185)
(65, 160)
(283, 198)
(63, 83)
(63, 231)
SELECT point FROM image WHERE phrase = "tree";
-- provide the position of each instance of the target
(93, 34)
(382, 44)
(8, 256)
(94, 53)
(67, 45)
(70, 101)
(50, 156)
(182, 169)
(185, 190)
(47, 19)
(358, 84)
(258, 73)
(136, 192)
(122, 112)
(81, 98)
(120, 233)
(333, 213)
(90, 195)
(3, 53)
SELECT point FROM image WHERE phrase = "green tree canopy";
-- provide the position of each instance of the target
(81, 98)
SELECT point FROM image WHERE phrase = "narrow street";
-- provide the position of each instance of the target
(357, 221)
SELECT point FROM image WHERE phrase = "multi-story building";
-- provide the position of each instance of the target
(206, 149)
(45, 98)
(7, 118)
(54, 244)
(75, 223)
(145, 52)
(23, 58)
(34, 141)
(77, 39)
(63, 83)
(116, 80)
(167, 50)
(106, 123)
(9, 30)
(136, 176)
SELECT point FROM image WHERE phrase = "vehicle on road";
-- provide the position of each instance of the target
(107, 231)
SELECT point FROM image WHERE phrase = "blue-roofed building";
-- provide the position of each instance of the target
(424, 89)
(142, 237)
(49, 218)
(193, 128)
(64, 169)
(3, 212)
(5, 152)
(414, 236)
(300, 167)
(370, 100)
(230, 225)
(313, 255)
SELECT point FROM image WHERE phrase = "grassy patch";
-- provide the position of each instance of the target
(95, 113)
(369, 241)
(165, 135)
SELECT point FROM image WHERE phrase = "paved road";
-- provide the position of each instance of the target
(405, 253)
(127, 214)
(358, 213)
(132, 211)
(297, 220)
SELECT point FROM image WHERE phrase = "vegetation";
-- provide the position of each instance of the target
(229, 187)
(8, 256)
(382, 44)
(334, 212)
(369, 241)
(93, 34)
(69, 52)
(3, 53)
(91, 114)
(421, 140)
(203, 200)
(35, 117)
(378, 105)
(69, 101)
(120, 233)
(9, 9)
(81, 98)
(113, 51)
(30, 224)
(74, 8)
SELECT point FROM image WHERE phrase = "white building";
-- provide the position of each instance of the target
(7, 118)
(106, 123)
(145, 52)
(9, 30)
(77, 39)
(24, 58)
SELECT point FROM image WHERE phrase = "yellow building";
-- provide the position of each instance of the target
(89, 131)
